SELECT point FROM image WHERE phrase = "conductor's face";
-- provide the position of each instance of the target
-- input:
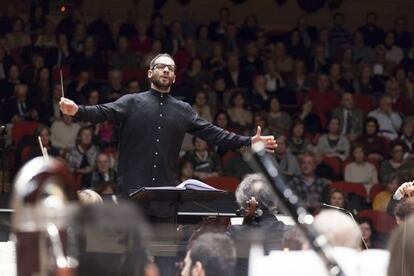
(162, 74)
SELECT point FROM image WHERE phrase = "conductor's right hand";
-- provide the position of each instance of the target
(68, 107)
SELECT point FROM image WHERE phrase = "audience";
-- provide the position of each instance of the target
(360, 170)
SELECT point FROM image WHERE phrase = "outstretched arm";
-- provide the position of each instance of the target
(215, 135)
(113, 111)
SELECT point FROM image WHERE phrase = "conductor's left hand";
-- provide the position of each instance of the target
(269, 141)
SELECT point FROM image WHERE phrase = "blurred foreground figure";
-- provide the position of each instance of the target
(111, 240)
(44, 198)
(401, 248)
(211, 254)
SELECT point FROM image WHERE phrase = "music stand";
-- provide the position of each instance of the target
(175, 196)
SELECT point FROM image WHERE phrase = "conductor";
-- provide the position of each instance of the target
(153, 125)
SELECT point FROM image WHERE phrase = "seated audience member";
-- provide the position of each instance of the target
(407, 135)
(258, 95)
(307, 185)
(334, 144)
(18, 38)
(336, 78)
(81, 159)
(396, 163)
(239, 115)
(196, 77)
(114, 89)
(64, 133)
(123, 58)
(391, 183)
(375, 145)
(297, 142)
(286, 163)
(18, 107)
(78, 90)
(400, 103)
(337, 198)
(389, 121)
(338, 228)
(401, 250)
(204, 161)
(185, 171)
(360, 170)
(351, 119)
(237, 166)
(211, 254)
(260, 119)
(365, 83)
(7, 85)
(133, 86)
(368, 234)
(50, 110)
(200, 105)
(404, 209)
(310, 118)
(44, 133)
(324, 99)
(106, 190)
(300, 82)
(103, 171)
(279, 122)
(323, 170)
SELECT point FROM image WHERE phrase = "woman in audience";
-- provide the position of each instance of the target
(338, 83)
(216, 62)
(205, 162)
(359, 170)
(297, 142)
(407, 136)
(17, 38)
(200, 105)
(222, 120)
(396, 163)
(300, 82)
(279, 122)
(274, 80)
(296, 48)
(43, 86)
(364, 84)
(368, 234)
(47, 38)
(337, 198)
(309, 118)
(375, 145)
(391, 182)
(196, 76)
(348, 67)
(186, 171)
(44, 133)
(260, 118)
(239, 115)
(333, 143)
(81, 159)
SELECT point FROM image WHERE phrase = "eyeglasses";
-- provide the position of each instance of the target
(162, 66)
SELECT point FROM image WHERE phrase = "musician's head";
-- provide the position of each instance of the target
(255, 185)
(404, 209)
(211, 254)
(339, 228)
(161, 72)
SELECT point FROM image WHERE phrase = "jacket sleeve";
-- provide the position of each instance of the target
(114, 111)
(212, 134)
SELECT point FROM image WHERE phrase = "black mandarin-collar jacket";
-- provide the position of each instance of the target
(153, 125)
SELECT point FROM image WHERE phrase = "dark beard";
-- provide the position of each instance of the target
(158, 84)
